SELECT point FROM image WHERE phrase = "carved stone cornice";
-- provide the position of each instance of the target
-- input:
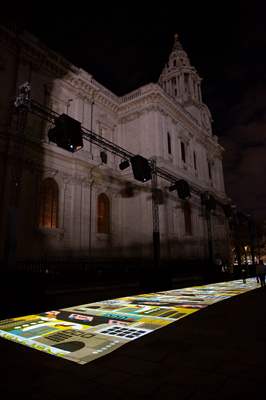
(52, 172)
(153, 98)
(66, 178)
(36, 167)
(81, 180)
(74, 179)
(92, 90)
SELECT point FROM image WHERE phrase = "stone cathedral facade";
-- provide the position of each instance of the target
(81, 204)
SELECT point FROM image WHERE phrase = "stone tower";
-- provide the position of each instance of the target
(178, 78)
(181, 81)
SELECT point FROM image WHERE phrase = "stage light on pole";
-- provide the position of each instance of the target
(182, 188)
(124, 164)
(67, 133)
(141, 168)
(208, 200)
(172, 188)
(211, 203)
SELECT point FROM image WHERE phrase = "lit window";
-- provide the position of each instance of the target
(103, 214)
(187, 218)
(48, 210)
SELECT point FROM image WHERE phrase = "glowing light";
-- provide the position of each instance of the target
(85, 332)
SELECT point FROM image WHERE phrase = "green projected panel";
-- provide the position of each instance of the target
(85, 332)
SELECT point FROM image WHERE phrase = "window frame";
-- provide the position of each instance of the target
(183, 151)
(48, 206)
(104, 226)
(169, 144)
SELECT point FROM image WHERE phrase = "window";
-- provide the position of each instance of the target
(195, 160)
(209, 170)
(186, 82)
(103, 156)
(169, 144)
(187, 218)
(183, 151)
(103, 214)
(101, 130)
(48, 210)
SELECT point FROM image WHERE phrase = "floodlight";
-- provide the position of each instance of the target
(67, 133)
(124, 164)
(141, 168)
(182, 188)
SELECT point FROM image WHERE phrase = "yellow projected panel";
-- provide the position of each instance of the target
(85, 332)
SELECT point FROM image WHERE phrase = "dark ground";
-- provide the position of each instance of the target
(216, 353)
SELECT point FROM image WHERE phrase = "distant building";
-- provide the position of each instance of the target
(58, 204)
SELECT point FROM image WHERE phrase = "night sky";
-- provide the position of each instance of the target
(124, 47)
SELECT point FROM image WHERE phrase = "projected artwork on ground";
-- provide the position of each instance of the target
(89, 331)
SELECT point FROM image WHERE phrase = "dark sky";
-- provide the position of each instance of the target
(125, 46)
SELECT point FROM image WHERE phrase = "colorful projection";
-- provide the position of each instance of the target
(89, 331)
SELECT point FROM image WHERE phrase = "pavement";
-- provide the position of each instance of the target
(215, 353)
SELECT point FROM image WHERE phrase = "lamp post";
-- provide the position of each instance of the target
(246, 258)
(252, 235)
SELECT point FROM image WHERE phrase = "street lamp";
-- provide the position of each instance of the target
(246, 258)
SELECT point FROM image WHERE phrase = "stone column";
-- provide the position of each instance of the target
(182, 86)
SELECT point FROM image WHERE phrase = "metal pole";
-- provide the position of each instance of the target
(90, 218)
(252, 235)
(237, 241)
(155, 217)
(209, 231)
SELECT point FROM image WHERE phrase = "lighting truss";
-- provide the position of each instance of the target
(51, 116)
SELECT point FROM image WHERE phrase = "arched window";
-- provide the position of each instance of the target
(103, 214)
(187, 218)
(48, 210)
(169, 144)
